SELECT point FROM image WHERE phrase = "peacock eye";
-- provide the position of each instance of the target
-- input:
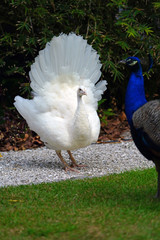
(129, 61)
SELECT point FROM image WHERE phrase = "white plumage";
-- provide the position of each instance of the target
(63, 109)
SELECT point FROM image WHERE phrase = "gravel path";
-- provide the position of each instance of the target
(42, 164)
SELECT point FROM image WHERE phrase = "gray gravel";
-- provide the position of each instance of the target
(42, 164)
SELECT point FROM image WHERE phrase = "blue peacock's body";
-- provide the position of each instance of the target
(143, 117)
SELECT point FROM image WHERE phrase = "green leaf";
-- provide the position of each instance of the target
(123, 45)
(112, 68)
(156, 5)
(131, 32)
(7, 38)
(148, 30)
(101, 102)
(23, 26)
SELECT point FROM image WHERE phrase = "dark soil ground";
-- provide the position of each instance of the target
(15, 134)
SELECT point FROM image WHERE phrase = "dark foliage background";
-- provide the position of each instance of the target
(116, 29)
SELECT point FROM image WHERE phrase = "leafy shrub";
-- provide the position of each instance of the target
(116, 29)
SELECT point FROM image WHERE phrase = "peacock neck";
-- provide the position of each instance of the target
(135, 94)
(81, 127)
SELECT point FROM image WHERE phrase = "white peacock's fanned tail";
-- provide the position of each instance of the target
(65, 55)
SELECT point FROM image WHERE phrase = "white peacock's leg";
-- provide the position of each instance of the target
(74, 163)
(66, 166)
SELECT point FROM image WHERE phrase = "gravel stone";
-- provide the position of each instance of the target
(35, 166)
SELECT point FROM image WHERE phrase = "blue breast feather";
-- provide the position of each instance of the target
(134, 100)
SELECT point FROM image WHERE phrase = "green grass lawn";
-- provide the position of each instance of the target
(120, 207)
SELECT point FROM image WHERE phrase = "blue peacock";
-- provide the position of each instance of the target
(143, 116)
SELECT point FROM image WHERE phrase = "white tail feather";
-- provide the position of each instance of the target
(65, 55)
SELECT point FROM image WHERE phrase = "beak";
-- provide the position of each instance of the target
(123, 61)
(84, 93)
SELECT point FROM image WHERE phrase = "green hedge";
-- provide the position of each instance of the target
(116, 29)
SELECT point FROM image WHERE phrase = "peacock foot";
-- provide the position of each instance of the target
(73, 165)
(68, 168)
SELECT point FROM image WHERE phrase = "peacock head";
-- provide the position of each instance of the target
(135, 63)
(132, 62)
(81, 91)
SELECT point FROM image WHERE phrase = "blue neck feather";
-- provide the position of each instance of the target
(135, 94)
